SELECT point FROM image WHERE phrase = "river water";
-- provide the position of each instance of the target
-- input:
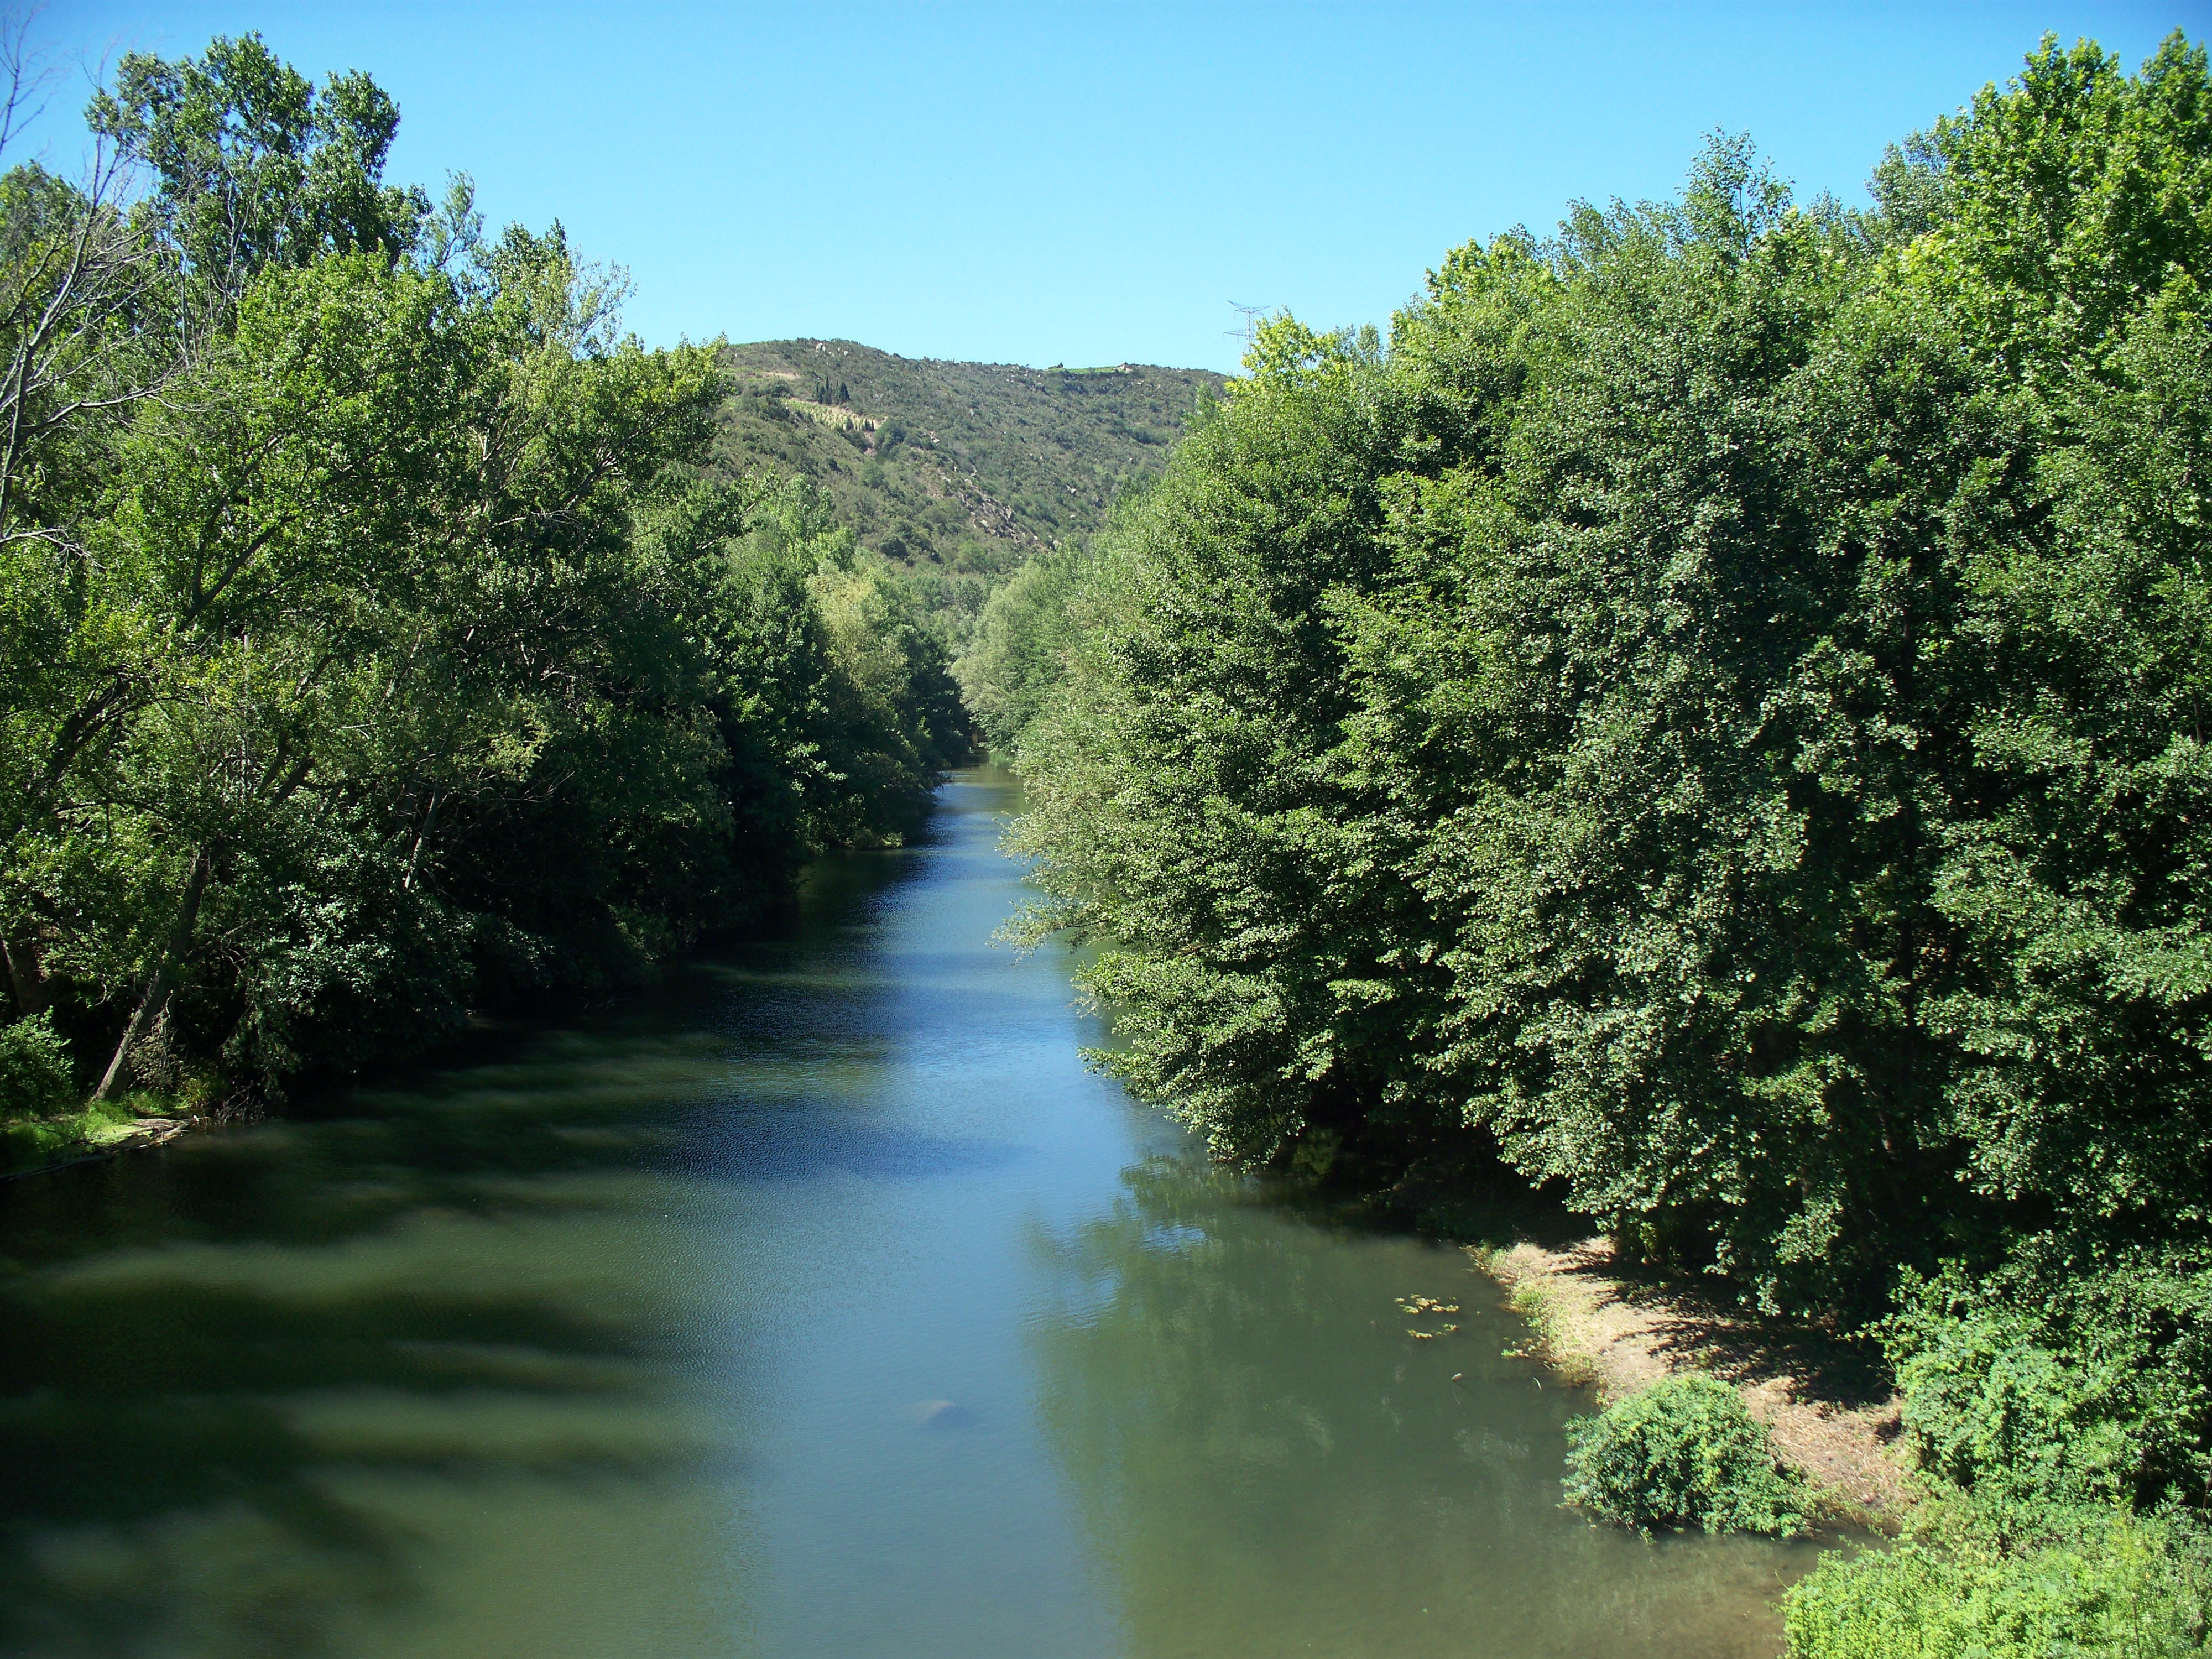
(819, 1306)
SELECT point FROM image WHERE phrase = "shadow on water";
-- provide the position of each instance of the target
(820, 1304)
(1273, 1461)
(428, 1356)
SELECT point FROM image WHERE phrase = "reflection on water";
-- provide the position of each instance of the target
(421, 1383)
(1267, 1461)
(821, 1305)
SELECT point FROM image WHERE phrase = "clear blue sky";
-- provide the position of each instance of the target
(1095, 184)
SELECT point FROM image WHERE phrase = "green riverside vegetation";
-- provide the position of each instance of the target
(1683, 1452)
(1708, 718)
(384, 636)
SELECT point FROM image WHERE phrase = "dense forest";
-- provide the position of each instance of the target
(1706, 720)
(386, 636)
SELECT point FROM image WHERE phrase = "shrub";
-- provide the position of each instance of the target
(2122, 1590)
(34, 1069)
(2066, 1376)
(1683, 1452)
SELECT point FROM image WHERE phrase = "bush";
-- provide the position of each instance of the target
(2066, 1376)
(2120, 1590)
(34, 1069)
(1683, 1452)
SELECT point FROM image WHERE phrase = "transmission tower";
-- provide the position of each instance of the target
(1248, 328)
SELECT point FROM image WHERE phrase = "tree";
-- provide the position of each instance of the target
(1711, 710)
(399, 658)
(257, 166)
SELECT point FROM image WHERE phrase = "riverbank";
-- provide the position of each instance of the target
(1833, 1415)
(836, 1227)
(35, 1145)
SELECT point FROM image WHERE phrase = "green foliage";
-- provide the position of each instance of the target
(2062, 1382)
(34, 1068)
(402, 657)
(1711, 709)
(2122, 1588)
(1683, 1452)
(883, 714)
(257, 166)
(1019, 650)
(957, 473)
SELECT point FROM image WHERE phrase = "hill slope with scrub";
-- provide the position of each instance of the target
(956, 472)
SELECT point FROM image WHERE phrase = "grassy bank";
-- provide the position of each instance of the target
(31, 1144)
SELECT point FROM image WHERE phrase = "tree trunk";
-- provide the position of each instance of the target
(26, 978)
(165, 976)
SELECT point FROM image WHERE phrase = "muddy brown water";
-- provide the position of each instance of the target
(820, 1304)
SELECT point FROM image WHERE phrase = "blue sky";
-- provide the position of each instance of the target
(1093, 183)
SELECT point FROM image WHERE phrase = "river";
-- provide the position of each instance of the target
(820, 1305)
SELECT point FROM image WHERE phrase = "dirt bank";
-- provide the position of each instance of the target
(1832, 1414)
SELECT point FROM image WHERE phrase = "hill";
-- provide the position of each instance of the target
(957, 472)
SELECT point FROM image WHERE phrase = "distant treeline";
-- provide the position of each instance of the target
(373, 646)
(1710, 716)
